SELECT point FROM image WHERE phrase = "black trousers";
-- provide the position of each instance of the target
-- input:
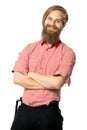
(38, 118)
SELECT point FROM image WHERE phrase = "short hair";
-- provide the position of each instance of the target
(52, 8)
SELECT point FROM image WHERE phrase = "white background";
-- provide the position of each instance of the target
(20, 23)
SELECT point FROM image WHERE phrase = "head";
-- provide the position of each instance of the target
(53, 21)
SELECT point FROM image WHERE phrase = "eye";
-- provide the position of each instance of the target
(49, 18)
(58, 21)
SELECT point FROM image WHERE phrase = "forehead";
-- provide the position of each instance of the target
(56, 14)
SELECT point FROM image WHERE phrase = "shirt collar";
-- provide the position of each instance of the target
(55, 44)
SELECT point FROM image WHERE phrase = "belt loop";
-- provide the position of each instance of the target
(17, 102)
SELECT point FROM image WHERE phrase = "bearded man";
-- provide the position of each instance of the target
(42, 69)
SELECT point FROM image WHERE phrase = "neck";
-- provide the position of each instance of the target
(49, 44)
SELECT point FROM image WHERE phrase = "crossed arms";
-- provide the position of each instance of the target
(38, 81)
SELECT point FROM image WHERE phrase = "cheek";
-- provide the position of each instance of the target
(45, 23)
(60, 27)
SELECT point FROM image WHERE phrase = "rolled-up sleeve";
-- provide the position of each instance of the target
(21, 65)
(67, 63)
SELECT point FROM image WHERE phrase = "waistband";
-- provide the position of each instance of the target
(52, 104)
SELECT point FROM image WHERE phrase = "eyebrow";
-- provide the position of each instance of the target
(56, 19)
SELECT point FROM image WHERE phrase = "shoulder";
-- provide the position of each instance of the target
(68, 52)
(31, 46)
(67, 49)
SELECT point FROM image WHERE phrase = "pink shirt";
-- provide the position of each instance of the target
(38, 57)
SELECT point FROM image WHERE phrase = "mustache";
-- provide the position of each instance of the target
(53, 26)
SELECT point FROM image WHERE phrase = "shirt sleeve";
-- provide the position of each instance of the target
(21, 64)
(67, 64)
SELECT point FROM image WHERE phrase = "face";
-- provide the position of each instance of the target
(53, 26)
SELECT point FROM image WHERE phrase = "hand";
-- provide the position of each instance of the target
(30, 74)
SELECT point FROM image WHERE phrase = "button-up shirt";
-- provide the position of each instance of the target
(38, 57)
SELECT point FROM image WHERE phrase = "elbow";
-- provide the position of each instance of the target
(59, 83)
(15, 80)
(56, 86)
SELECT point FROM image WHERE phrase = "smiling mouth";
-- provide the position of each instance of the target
(51, 29)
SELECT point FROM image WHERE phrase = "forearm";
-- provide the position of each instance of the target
(25, 81)
(49, 82)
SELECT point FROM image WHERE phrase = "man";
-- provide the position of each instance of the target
(42, 69)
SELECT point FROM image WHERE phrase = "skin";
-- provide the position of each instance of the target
(55, 18)
(38, 81)
(55, 23)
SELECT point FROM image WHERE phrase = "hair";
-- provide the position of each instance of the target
(52, 8)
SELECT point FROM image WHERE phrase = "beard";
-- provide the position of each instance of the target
(50, 36)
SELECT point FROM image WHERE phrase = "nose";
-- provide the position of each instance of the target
(52, 23)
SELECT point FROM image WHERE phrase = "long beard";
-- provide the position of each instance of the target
(50, 36)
